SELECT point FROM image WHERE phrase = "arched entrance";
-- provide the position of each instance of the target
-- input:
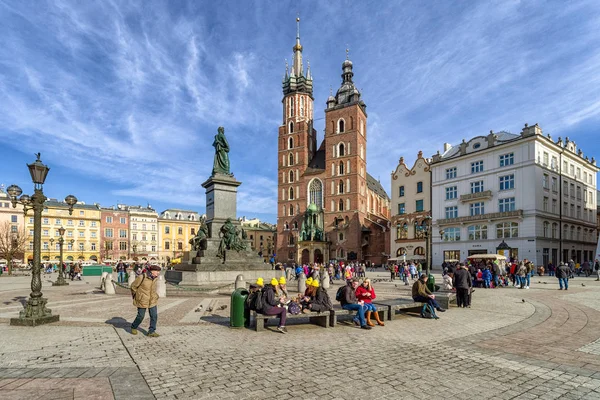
(69, 258)
(305, 256)
(318, 256)
(93, 258)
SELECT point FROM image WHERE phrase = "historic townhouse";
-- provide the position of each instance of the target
(143, 230)
(114, 235)
(176, 227)
(536, 195)
(411, 195)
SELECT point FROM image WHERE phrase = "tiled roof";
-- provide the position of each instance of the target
(374, 185)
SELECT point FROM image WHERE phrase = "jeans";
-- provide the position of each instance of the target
(495, 280)
(528, 277)
(370, 307)
(517, 280)
(486, 283)
(121, 277)
(565, 281)
(428, 300)
(360, 312)
(140, 317)
(277, 311)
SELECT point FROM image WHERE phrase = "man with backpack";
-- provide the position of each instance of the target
(421, 294)
(346, 295)
(270, 304)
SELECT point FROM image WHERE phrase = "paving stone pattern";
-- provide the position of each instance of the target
(512, 344)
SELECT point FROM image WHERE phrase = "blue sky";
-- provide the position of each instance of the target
(123, 98)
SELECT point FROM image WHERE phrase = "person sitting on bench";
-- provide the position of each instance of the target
(271, 304)
(349, 302)
(421, 293)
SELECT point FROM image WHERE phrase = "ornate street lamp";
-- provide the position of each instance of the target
(60, 281)
(35, 312)
(427, 231)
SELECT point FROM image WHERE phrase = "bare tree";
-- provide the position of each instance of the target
(12, 243)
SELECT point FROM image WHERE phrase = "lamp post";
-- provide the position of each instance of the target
(427, 231)
(35, 311)
(60, 281)
(50, 250)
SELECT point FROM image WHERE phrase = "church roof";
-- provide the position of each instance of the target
(374, 185)
(317, 164)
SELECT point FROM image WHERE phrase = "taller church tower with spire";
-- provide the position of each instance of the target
(329, 207)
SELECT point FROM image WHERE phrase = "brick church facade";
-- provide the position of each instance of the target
(327, 187)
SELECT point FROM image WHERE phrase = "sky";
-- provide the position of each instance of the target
(123, 99)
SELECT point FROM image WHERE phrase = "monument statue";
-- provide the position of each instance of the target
(231, 239)
(221, 163)
(198, 242)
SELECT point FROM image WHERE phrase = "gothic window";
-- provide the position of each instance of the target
(341, 168)
(286, 226)
(362, 127)
(291, 106)
(291, 210)
(291, 176)
(315, 192)
(340, 126)
(341, 205)
(291, 130)
(295, 225)
(291, 197)
(302, 106)
(341, 187)
(291, 159)
(291, 143)
(341, 150)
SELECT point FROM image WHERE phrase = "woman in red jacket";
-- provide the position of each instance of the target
(366, 293)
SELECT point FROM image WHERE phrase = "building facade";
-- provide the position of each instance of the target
(535, 194)
(411, 197)
(328, 206)
(11, 218)
(143, 228)
(262, 236)
(175, 229)
(82, 232)
(114, 233)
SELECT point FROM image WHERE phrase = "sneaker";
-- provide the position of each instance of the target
(440, 310)
(560, 289)
(526, 287)
(365, 327)
(436, 317)
(153, 334)
(133, 331)
(282, 329)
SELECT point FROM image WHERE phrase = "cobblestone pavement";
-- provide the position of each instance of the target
(513, 344)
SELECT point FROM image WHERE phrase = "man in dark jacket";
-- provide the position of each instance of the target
(349, 302)
(462, 282)
(562, 273)
(421, 293)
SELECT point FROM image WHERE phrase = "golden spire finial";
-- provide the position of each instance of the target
(347, 51)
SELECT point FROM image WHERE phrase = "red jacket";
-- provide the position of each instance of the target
(360, 294)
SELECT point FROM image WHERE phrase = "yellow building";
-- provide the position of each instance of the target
(262, 236)
(175, 229)
(82, 232)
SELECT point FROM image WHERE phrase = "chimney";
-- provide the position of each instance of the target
(447, 146)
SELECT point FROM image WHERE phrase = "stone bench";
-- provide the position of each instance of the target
(400, 305)
(338, 311)
(445, 298)
(259, 321)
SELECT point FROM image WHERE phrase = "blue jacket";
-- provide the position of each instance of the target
(486, 275)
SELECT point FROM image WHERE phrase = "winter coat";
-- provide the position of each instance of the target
(462, 279)
(269, 296)
(143, 290)
(321, 301)
(349, 295)
(522, 271)
(420, 289)
(447, 282)
(486, 274)
(361, 294)
(563, 271)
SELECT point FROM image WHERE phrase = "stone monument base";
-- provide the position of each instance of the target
(210, 270)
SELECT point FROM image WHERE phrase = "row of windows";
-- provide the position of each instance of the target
(46, 221)
(418, 207)
(477, 166)
(419, 189)
(506, 182)
(179, 230)
(480, 232)
(504, 205)
(109, 220)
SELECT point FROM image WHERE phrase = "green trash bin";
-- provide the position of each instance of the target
(431, 283)
(239, 316)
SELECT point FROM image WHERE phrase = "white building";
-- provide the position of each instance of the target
(143, 228)
(537, 195)
(411, 208)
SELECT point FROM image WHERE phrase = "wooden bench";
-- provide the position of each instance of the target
(259, 321)
(400, 305)
(338, 311)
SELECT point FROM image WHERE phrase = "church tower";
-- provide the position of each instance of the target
(346, 167)
(296, 148)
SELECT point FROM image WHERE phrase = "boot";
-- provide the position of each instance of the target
(378, 319)
(368, 316)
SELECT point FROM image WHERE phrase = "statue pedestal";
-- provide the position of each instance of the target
(221, 201)
(211, 270)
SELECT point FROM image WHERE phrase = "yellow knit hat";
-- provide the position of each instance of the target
(260, 282)
(315, 283)
(274, 282)
(308, 281)
(282, 280)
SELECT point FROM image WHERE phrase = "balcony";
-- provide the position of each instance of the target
(481, 217)
(486, 194)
